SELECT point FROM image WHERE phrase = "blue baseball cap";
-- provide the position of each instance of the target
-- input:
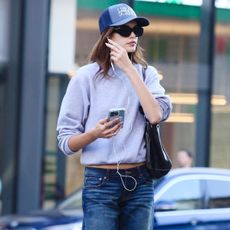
(119, 14)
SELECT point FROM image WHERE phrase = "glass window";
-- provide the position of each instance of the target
(171, 43)
(184, 195)
(220, 144)
(219, 193)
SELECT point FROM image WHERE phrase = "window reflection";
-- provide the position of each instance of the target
(219, 193)
(184, 195)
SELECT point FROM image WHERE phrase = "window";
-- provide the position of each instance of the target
(184, 195)
(219, 193)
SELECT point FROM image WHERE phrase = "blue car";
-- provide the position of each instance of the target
(193, 198)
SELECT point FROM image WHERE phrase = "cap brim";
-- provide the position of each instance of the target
(140, 21)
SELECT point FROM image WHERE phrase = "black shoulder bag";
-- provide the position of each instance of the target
(157, 160)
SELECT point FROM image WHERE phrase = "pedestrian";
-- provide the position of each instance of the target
(184, 158)
(118, 190)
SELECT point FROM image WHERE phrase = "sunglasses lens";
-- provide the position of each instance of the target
(138, 31)
(125, 31)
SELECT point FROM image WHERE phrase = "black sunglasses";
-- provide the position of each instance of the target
(125, 30)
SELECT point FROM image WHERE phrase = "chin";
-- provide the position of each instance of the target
(131, 50)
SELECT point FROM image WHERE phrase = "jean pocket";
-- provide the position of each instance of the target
(94, 181)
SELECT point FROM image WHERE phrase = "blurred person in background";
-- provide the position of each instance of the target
(184, 158)
(118, 190)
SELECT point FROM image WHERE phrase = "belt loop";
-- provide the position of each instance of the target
(140, 169)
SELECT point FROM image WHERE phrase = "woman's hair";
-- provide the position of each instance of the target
(101, 53)
(188, 152)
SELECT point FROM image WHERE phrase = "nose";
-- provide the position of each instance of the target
(133, 35)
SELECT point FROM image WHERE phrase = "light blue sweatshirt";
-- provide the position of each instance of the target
(89, 98)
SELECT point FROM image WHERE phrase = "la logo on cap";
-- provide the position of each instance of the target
(122, 11)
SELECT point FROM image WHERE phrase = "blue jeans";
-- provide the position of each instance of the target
(107, 205)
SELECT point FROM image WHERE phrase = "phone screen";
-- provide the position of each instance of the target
(117, 113)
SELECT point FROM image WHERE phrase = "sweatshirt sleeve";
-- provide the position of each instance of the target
(153, 83)
(73, 113)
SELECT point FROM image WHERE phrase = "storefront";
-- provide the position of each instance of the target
(173, 45)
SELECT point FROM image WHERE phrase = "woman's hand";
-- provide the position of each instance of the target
(106, 128)
(119, 55)
(103, 129)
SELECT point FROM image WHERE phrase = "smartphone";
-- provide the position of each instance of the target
(117, 113)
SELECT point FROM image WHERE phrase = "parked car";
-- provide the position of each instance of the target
(193, 198)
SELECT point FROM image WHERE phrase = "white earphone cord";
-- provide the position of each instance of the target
(115, 152)
(121, 176)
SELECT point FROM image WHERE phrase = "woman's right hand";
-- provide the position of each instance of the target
(103, 129)
(107, 129)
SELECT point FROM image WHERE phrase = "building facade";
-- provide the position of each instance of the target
(42, 44)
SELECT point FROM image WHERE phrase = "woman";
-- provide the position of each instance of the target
(118, 191)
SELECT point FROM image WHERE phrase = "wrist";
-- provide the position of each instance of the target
(129, 69)
(94, 133)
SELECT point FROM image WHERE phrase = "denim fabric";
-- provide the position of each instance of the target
(107, 205)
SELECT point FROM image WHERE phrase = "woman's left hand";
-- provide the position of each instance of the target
(119, 55)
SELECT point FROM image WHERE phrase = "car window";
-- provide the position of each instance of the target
(183, 195)
(74, 201)
(219, 193)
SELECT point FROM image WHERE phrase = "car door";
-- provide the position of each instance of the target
(200, 202)
(179, 204)
(218, 201)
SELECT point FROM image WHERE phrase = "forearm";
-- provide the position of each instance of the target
(149, 104)
(104, 129)
(77, 142)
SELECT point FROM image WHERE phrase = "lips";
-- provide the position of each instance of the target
(133, 43)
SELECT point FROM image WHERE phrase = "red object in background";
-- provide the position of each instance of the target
(221, 45)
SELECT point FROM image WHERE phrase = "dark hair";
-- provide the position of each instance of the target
(101, 53)
(188, 152)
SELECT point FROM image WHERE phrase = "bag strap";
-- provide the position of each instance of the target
(143, 77)
(143, 73)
